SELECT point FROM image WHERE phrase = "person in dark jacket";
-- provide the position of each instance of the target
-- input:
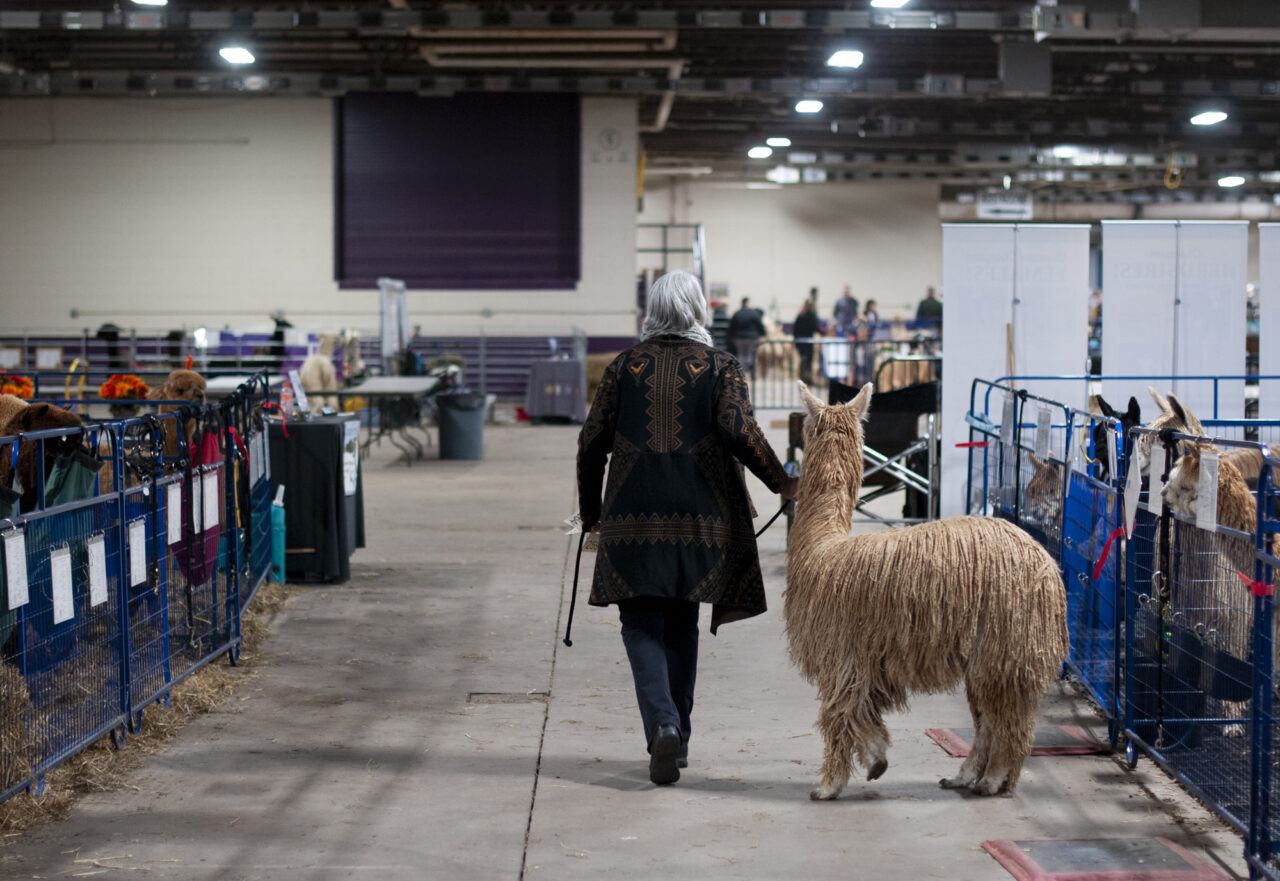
(806, 328)
(745, 329)
(720, 327)
(672, 416)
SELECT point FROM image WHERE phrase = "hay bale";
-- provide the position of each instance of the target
(16, 715)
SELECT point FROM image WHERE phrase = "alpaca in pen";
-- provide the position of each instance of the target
(872, 618)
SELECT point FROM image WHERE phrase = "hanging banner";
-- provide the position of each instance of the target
(1051, 309)
(1269, 319)
(977, 285)
(1139, 284)
(1213, 259)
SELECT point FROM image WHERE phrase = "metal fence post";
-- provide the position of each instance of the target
(484, 365)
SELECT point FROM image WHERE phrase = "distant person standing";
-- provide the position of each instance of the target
(806, 328)
(930, 308)
(720, 327)
(745, 329)
(846, 313)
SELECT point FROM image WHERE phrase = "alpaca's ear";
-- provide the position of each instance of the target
(1104, 408)
(861, 402)
(1183, 412)
(1031, 457)
(31, 417)
(811, 403)
(1134, 415)
(1159, 399)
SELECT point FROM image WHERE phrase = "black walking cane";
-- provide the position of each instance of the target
(573, 601)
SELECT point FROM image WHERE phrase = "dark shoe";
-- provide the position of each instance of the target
(664, 755)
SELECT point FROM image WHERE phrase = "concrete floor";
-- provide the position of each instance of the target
(425, 721)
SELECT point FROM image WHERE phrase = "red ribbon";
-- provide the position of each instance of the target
(1106, 551)
(972, 444)
(284, 423)
(1257, 588)
(235, 436)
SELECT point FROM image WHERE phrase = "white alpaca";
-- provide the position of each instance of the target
(318, 375)
(872, 618)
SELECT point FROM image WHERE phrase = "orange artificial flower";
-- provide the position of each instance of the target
(123, 386)
(20, 386)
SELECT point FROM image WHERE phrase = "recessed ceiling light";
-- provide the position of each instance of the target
(778, 142)
(1209, 117)
(846, 58)
(760, 152)
(151, 2)
(808, 105)
(1231, 180)
(1065, 151)
(889, 4)
(236, 55)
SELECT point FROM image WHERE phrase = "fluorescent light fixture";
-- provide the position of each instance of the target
(808, 105)
(760, 185)
(151, 2)
(783, 174)
(1065, 151)
(693, 170)
(778, 142)
(760, 152)
(1008, 182)
(889, 4)
(236, 55)
(1231, 180)
(1209, 117)
(846, 58)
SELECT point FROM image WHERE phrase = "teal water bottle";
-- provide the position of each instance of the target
(277, 536)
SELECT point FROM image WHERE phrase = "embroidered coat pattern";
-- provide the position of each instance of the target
(673, 418)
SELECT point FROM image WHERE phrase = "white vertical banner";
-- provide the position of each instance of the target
(977, 284)
(1213, 261)
(1051, 309)
(1139, 281)
(1269, 319)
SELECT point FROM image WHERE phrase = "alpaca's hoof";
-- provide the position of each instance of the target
(987, 786)
(1234, 730)
(877, 769)
(821, 793)
(953, 783)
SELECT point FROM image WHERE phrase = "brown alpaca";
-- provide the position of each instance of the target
(871, 618)
(179, 385)
(1042, 498)
(36, 417)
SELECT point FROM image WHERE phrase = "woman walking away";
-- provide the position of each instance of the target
(673, 414)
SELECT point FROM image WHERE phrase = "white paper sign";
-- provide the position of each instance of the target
(1207, 491)
(1111, 450)
(350, 455)
(1044, 424)
(299, 394)
(173, 512)
(266, 455)
(195, 503)
(1006, 421)
(64, 604)
(15, 568)
(97, 570)
(1155, 496)
(253, 460)
(1132, 490)
(137, 552)
(211, 500)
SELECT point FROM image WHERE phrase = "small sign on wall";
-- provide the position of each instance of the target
(10, 358)
(1004, 205)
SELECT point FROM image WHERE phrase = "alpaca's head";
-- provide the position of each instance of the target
(1183, 489)
(1173, 414)
(180, 385)
(328, 344)
(1042, 498)
(833, 439)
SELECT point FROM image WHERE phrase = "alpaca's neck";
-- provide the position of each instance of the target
(1237, 508)
(829, 482)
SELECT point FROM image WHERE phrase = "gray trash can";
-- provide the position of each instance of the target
(461, 425)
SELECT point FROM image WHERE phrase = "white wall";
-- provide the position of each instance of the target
(160, 213)
(882, 239)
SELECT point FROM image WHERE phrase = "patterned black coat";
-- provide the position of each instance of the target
(672, 415)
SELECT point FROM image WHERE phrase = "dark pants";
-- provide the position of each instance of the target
(806, 361)
(661, 636)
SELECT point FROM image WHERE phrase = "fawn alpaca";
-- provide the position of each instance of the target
(871, 618)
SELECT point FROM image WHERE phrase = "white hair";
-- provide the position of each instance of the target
(676, 306)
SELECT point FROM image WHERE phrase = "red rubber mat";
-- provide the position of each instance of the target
(1118, 859)
(1059, 740)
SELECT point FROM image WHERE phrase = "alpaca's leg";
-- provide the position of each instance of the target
(835, 723)
(979, 752)
(1010, 718)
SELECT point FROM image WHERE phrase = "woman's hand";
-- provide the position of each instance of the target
(790, 489)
